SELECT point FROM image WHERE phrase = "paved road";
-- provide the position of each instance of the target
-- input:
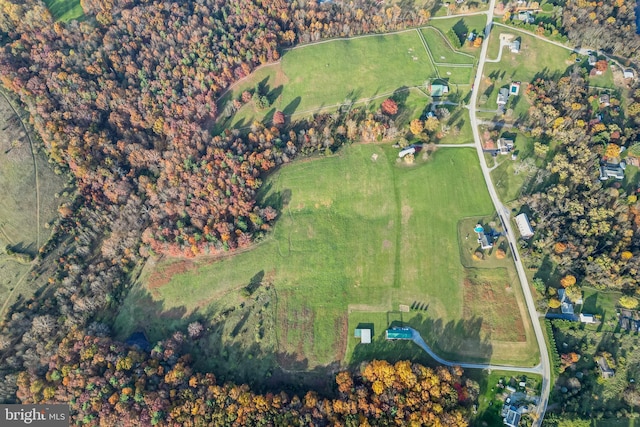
(418, 340)
(511, 238)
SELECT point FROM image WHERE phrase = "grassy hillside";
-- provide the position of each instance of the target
(26, 205)
(356, 238)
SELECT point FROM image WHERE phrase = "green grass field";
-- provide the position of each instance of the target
(20, 229)
(441, 49)
(320, 77)
(355, 239)
(65, 10)
(510, 175)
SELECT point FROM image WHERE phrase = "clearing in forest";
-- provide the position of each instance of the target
(355, 238)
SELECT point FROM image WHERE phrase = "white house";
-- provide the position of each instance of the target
(628, 73)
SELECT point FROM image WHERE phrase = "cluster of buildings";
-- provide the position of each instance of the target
(518, 400)
(505, 93)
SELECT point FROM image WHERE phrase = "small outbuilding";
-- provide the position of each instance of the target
(364, 334)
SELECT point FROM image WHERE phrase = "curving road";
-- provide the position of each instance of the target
(545, 365)
(419, 341)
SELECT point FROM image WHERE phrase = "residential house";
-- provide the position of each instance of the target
(505, 145)
(592, 60)
(605, 369)
(587, 318)
(628, 73)
(485, 241)
(612, 170)
(438, 89)
(514, 46)
(512, 419)
(604, 100)
(524, 226)
(526, 17)
(409, 150)
(566, 306)
(503, 97)
(514, 89)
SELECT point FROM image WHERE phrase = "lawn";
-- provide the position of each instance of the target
(511, 175)
(65, 10)
(442, 50)
(355, 238)
(329, 73)
(491, 398)
(536, 57)
(462, 24)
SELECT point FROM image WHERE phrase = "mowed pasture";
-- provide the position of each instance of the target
(23, 216)
(355, 237)
(364, 70)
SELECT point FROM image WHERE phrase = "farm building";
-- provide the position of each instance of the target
(437, 89)
(522, 221)
(364, 334)
(398, 334)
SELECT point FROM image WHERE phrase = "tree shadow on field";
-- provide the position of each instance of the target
(278, 200)
(274, 94)
(292, 106)
(461, 30)
(450, 341)
(400, 95)
(237, 344)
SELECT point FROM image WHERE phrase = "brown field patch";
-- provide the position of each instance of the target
(162, 275)
(498, 309)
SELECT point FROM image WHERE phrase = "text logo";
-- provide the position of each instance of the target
(34, 415)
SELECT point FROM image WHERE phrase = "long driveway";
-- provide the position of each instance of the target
(511, 238)
(419, 341)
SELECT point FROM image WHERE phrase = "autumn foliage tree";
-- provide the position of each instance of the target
(389, 107)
